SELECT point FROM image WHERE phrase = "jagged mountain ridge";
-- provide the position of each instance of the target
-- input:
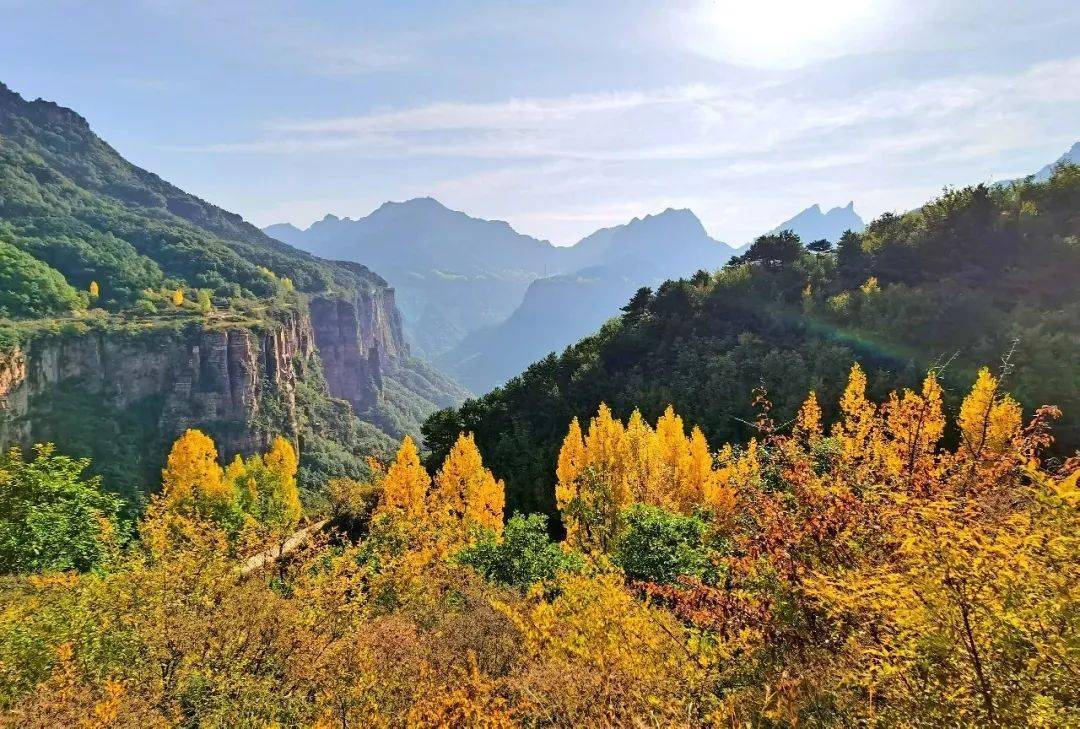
(479, 297)
(558, 310)
(455, 274)
(812, 224)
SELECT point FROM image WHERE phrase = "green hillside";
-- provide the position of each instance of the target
(70, 201)
(975, 276)
(90, 243)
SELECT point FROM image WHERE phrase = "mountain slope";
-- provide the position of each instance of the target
(974, 276)
(129, 300)
(1072, 156)
(559, 310)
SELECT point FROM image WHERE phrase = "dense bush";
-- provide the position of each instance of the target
(52, 517)
(660, 546)
(523, 556)
(29, 287)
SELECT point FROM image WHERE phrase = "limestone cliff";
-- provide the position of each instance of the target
(220, 380)
(122, 396)
(357, 338)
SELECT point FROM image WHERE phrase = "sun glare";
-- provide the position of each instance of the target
(782, 34)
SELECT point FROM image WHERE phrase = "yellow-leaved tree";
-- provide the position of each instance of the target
(405, 485)
(466, 496)
(277, 501)
(604, 471)
(260, 491)
(988, 419)
(177, 297)
(192, 473)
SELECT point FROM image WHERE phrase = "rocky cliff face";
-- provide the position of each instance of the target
(357, 337)
(232, 382)
(121, 397)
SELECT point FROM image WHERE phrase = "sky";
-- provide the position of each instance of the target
(562, 117)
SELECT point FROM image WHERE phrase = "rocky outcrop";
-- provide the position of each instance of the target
(121, 396)
(357, 337)
(237, 383)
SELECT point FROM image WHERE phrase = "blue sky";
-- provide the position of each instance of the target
(561, 117)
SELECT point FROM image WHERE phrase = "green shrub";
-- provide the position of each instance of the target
(525, 555)
(660, 546)
(31, 288)
(51, 517)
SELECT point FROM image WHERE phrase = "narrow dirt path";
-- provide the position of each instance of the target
(295, 540)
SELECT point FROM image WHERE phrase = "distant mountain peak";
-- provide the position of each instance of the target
(812, 224)
(414, 205)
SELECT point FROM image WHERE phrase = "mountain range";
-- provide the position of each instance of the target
(483, 301)
(452, 273)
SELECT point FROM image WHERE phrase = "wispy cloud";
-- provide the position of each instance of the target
(738, 153)
(694, 122)
(357, 60)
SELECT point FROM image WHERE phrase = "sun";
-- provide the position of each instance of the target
(784, 34)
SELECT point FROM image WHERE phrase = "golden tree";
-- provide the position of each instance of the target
(808, 421)
(593, 482)
(405, 485)
(644, 466)
(466, 495)
(278, 498)
(177, 297)
(988, 419)
(192, 472)
(94, 291)
(571, 464)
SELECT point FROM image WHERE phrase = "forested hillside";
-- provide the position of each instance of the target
(130, 309)
(978, 275)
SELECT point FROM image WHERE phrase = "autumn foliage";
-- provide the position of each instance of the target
(893, 568)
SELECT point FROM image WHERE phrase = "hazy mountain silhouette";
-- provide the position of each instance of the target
(812, 224)
(559, 310)
(455, 274)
